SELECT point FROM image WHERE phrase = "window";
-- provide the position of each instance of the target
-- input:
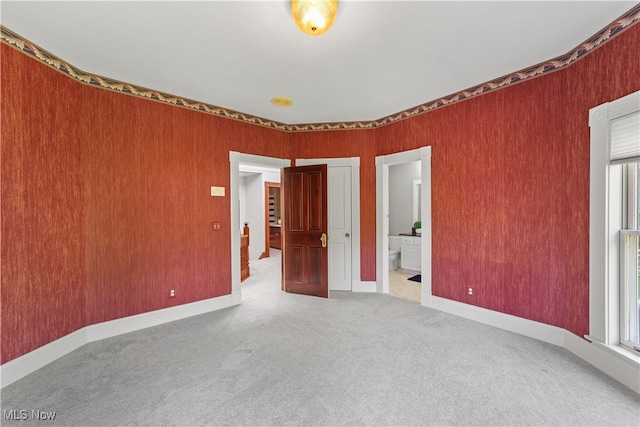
(614, 246)
(630, 257)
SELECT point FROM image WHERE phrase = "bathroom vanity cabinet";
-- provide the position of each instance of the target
(411, 253)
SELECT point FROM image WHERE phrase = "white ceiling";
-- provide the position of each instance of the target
(380, 57)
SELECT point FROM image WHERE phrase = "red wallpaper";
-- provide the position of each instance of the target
(510, 187)
(42, 195)
(148, 170)
(106, 206)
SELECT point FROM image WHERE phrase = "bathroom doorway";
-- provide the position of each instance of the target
(404, 231)
(401, 170)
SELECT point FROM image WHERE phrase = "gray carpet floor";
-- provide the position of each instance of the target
(352, 359)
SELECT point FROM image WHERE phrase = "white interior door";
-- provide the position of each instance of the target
(340, 232)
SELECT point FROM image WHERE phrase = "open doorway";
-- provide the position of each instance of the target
(254, 161)
(259, 210)
(417, 248)
(405, 231)
(258, 196)
(248, 175)
(273, 223)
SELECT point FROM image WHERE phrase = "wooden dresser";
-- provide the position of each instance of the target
(275, 236)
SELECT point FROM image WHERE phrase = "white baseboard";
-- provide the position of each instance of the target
(364, 287)
(128, 324)
(26, 364)
(529, 328)
(625, 370)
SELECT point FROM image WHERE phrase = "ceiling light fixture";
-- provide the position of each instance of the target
(314, 17)
(281, 101)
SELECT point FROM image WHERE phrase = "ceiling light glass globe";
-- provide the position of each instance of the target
(314, 17)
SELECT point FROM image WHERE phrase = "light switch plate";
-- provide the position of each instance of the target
(217, 191)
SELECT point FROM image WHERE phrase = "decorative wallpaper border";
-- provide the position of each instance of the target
(629, 19)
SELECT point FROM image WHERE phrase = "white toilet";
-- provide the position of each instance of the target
(394, 252)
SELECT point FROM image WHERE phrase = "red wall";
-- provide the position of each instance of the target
(42, 195)
(148, 170)
(106, 206)
(510, 187)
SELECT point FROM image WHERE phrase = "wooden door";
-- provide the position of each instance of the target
(304, 230)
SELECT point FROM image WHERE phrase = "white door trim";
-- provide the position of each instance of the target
(382, 217)
(354, 164)
(234, 199)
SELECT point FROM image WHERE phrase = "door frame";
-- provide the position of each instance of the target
(267, 225)
(235, 158)
(382, 217)
(354, 164)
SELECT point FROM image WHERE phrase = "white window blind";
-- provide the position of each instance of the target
(625, 138)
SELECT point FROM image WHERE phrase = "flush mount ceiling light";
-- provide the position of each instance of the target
(314, 17)
(281, 101)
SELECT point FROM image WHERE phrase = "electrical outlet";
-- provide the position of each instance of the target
(172, 293)
(470, 291)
